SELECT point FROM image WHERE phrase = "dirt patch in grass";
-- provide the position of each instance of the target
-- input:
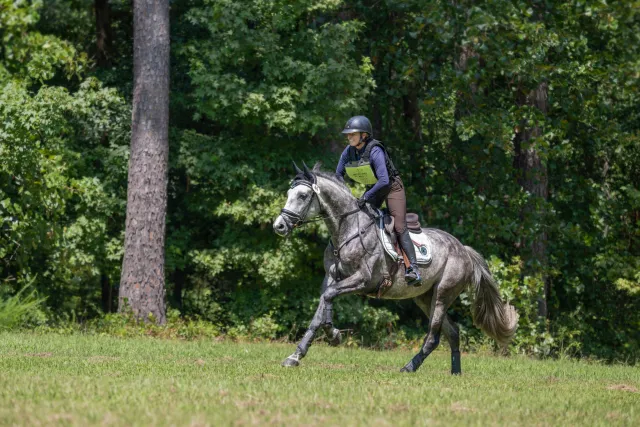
(623, 387)
(60, 417)
(249, 403)
(38, 354)
(399, 408)
(613, 415)
(322, 404)
(459, 407)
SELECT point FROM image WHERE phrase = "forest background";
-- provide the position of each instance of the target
(515, 125)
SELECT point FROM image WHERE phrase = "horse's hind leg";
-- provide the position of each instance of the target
(443, 295)
(449, 328)
(452, 332)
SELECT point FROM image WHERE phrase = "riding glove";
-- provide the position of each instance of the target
(361, 202)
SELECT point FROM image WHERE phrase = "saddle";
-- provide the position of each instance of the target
(389, 240)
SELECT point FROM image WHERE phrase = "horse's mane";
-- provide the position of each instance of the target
(331, 176)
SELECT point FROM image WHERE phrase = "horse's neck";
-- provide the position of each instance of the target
(336, 201)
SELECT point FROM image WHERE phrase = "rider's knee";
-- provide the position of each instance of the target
(399, 228)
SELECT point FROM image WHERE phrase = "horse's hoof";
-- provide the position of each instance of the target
(408, 368)
(412, 366)
(336, 339)
(291, 361)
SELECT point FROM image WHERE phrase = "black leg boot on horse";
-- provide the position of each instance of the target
(412, 276)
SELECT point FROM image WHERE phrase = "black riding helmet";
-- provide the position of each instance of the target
(358, 124)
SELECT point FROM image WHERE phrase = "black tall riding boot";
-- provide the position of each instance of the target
(412, 276)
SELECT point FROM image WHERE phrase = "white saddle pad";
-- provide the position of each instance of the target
(423, 247)
(420, 241)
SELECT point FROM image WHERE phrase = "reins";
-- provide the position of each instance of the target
(299, 219)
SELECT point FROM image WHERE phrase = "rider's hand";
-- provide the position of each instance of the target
(361, 202)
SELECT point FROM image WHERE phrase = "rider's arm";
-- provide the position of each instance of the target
(344, 159)
(380, 169)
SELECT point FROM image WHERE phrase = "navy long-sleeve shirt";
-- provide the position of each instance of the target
(378, 164)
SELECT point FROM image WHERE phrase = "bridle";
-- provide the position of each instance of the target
(298, 219)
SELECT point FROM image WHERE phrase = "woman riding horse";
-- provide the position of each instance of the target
(365, 160)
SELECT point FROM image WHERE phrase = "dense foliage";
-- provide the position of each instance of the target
(257, 83)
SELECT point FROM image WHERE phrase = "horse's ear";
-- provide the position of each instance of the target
(298, 170)
(308, 174)
(316, 167)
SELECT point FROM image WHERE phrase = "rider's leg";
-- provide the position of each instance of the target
(413, 273)
(397, 204)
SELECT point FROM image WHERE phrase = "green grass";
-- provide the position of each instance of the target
(94, 380)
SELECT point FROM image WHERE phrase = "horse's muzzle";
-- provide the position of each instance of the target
(281, 227)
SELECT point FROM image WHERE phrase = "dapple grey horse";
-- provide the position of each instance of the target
(356, 263)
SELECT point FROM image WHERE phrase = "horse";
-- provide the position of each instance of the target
(355, 262)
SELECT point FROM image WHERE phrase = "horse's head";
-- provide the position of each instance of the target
(302, 202)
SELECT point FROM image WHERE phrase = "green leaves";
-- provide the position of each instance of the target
(260, 67)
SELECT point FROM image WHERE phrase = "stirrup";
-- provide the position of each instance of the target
(412, 277)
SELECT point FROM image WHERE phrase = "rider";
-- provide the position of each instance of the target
(365, 160)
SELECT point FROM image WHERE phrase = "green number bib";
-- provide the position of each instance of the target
(361, 173)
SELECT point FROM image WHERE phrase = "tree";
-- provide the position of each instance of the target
(104, 34)
(142, 280)
(533, 176)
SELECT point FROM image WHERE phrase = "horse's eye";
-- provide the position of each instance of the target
(302, 197)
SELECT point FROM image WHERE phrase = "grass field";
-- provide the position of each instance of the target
(85, 380)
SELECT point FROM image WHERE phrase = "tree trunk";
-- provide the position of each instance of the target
(142, 281)
(533, 177)
(104, 34)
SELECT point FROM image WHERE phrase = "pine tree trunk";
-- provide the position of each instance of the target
(533, 177)
(142, 280)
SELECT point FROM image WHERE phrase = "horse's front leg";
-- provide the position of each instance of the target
(354, 283)
(333, 334)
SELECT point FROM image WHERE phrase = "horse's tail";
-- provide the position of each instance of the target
(497, 319)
